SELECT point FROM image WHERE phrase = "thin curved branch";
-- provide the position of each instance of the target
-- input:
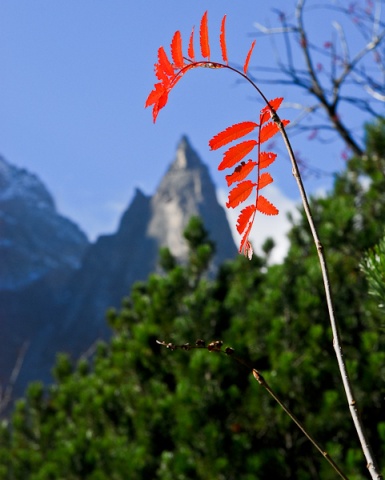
(337, 344)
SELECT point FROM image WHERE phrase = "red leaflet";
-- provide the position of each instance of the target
(204, 37)
(245, 246)
(222, 40)
(164, 62)
(264, 206)
(275, 104)
(264, 179)
(160, 104)
(247, 61)
(190, 51)
(235, 154)
(269, 130)
(244, 218)
(155, 94)
(176, 50)
(240, 172)
(161, 74)
(240, 193)
(266, 159)
(231, 133)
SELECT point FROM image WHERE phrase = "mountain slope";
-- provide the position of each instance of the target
(39, 251)
(115, 262)
(34, 239)
(74, 314)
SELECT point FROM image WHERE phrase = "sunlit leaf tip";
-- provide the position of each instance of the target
(245, 217)
(176, 50)
(248, 56)
(234, 132)
(266, 207)
(241, 172)
(204, 37)
(240, 193)
(190, 50)
(269, 130)
(245, 246)
(236, 153)
(222, 40)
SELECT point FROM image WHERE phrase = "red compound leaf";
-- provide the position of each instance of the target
(231, 133)
(168, 75)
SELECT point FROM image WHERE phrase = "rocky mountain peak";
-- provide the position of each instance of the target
(35, 240)
(45, 259)
(187, 190)
(18, 183)
(186, 157)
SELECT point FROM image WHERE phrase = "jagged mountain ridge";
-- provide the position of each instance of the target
(35, 240)
(39, 251)
(75, 317)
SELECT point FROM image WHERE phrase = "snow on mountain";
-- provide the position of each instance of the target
(34, 239)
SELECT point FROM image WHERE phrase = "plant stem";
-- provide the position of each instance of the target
(260, 379)
(337, 344)
(216, 347)
(371, 462)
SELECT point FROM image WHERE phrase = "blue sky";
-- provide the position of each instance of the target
(74, 79)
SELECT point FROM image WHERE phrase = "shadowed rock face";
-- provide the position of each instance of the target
(35, 240)
(39, 251)
(74, 315)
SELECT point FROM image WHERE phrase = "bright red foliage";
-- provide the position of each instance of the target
(245, 217)
(231, 133)
(240, 193)
(176, 50)
(204, 37)
(236, 153)
(240, 172)
(244, 188)
(269, 130)
(264, 179)
(264, 206)
(266, 111)
(247, 61)
(164, 63)
(169, 73)
(190, 50)
(266, 159)
(222, 41)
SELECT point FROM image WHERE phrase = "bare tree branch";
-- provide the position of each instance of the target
(336, 74)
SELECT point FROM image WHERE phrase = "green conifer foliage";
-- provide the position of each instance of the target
(138, 410)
